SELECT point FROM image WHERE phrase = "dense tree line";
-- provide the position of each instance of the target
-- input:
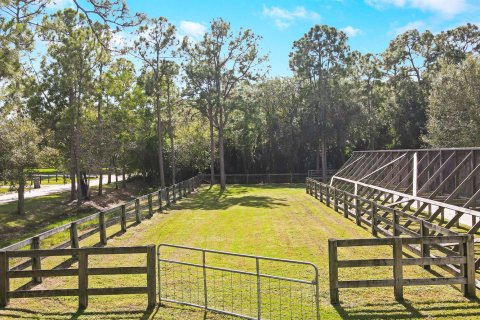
(164, 108)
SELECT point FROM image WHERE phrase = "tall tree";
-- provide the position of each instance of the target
(231, 59)
(318, 58)
(156, 41)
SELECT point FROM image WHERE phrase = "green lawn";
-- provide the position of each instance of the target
(275, 221)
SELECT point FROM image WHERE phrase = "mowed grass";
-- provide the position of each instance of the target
(275, 221)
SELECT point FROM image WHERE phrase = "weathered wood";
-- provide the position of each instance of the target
(425, 249)
(150, 205)
(374, 219)
(123, 219)
(151, 277)
(365, 283)
(160, 206)
(43, 273)
(345, 205)
(398, 269)
(469, 250)
(102, 228)
(364, 242)
(74, 235)
(138, 217)
(4, 283)
(116, 270)
(433, 281)
(333, 271)
(365, 263)
(36, 261)
(327, 195)
(82, 279)
(43, 293)
(116, 291)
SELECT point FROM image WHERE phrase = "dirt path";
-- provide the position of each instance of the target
(44, 190)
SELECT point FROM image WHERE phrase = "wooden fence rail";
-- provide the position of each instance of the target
(385, 220)
(83, 271)
(124, 216)
(464, 258)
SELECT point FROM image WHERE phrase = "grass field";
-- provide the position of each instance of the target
(275, 221)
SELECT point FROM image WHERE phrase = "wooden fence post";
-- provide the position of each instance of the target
(123, 219)
(358, 213)
(36, 260)
(345, 205)
(167, 196)
(425, 248)
(333, 271)
(138, 218)
(335, 200)
(4, 282)
(150, 205)
(102, 227)
(327, 195)
(320, 187)
(74, 235)
(315, 190)
(469, 267)
(397, 268)
(82, 279)
(151, 276)
(374, 219)
(174, 194)
(180, 190)
(307, 186)
(160, 207)
(396, 232)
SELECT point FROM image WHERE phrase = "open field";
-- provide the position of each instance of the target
(275, 221)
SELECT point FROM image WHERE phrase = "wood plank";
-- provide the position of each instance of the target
(116, 291)
(43, 273)
(43, 293)
(434, 281)
(117, 270)
(365, 283)
(365, 263)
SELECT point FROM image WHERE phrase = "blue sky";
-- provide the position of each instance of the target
(370, 24)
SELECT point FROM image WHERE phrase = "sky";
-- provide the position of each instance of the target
(370, 24)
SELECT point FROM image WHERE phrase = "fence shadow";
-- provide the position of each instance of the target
(211, 199)
(405, 310)
(19, 313)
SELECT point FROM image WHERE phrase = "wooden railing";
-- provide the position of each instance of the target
(464, 259)
(83, 271)
(100, 223)
(259, 178)
(387, 221)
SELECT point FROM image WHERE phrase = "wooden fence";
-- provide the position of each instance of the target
(387, 221)
(463, 259)
(123, 217)
(262, 178)
(82, 272)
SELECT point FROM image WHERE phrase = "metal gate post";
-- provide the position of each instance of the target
(205, 292)
(259, 298)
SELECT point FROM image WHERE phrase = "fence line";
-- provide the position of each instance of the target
(385, 220)
(83, 271)
(464, 259)
(125, 215)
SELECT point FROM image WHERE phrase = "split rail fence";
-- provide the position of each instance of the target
(390, 222)
(105, 224)
(83, 271)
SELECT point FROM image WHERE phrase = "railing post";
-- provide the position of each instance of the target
(123, 219)
(180, 187)
(320, 187)
(316, 190)
(151, 277)
(425, 248)
(469, 267)
(345, 205)
(74, 235)
(327, 195)
(374, 219)
(138, 218)
(174, 192)
(396, 232)
(4, 282)
(82, 279)
(307, 186)
(102, 227)
(333, 271)
(397, 268)
(358, 213)
(150, 205)
(335, 200)
(160, 207)
(259, 291)
(36, 260)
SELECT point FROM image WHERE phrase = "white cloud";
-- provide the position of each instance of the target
(351, 31)
(447, 8)
(409, 26)
(59, 4)
(283, 17)
(192, 29)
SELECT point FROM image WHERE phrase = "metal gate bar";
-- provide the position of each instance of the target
(253, 294)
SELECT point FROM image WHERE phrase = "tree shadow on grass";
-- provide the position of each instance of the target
(221, 200)
(405, 310)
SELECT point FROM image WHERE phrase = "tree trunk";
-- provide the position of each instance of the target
(116, 178)
(124, 180)
(212, 147)
(160, 142)
(100, 183)
(21, 194)
(170, 131)
(73, 190)
(109, 172)
(222, 159)
(100, 132)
